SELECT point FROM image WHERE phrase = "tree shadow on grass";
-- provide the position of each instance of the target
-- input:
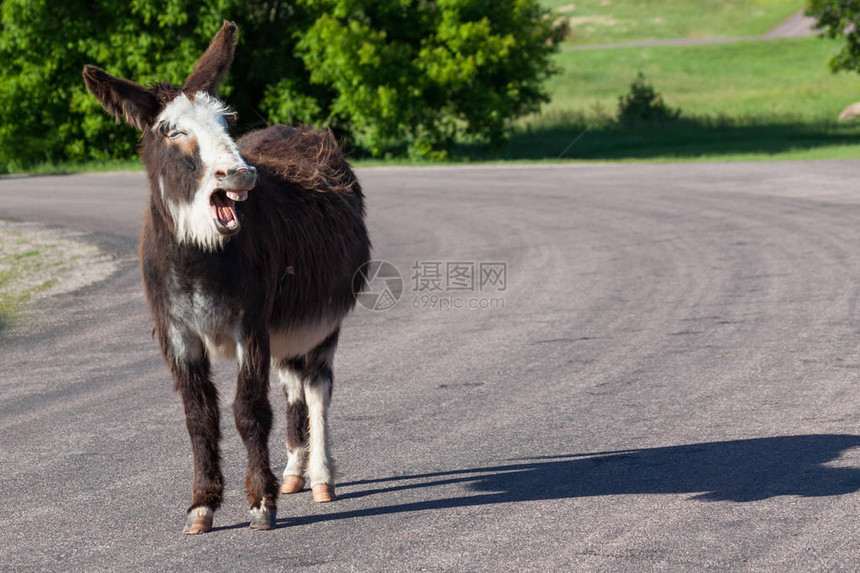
(738, 471)
(675, 140)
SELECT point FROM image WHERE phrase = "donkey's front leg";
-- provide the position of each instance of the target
(254, 420)
(190, 367)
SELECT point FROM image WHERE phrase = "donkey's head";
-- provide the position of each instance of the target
(194, 166)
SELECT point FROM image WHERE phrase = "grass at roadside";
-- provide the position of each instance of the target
(66, 168)
(21, 275)
(39, 261)
(603, 21)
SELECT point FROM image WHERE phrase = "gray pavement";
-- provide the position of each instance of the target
(671, 384)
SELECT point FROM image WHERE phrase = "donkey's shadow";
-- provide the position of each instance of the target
(739, 471)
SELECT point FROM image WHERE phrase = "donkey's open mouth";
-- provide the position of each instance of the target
(233, 186)
(222, 204)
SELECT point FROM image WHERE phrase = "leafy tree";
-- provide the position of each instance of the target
(384, 72)
(839, 19)
(429, 69)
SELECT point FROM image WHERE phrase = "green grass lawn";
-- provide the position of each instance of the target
(744, 100)
(602, 21)
(86, 167)
(788, 78)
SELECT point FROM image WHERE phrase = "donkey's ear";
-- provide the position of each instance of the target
(212, 66)
(124, 99)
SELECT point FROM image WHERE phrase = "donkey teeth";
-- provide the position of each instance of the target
(236, 196)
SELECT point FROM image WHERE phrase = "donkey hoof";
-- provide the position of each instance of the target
(199, 521)
(323, 492)
(292, 484)
(262, 518)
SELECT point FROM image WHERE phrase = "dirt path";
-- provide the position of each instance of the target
(797, 26)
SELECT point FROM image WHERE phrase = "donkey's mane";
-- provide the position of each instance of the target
(311, 159)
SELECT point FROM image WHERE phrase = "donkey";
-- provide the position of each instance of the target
(250, 249)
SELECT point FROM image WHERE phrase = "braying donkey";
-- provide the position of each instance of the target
(251, 249)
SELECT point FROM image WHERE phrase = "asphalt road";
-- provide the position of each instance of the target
(670, 384)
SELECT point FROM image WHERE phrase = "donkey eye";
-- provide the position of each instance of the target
(170, 131)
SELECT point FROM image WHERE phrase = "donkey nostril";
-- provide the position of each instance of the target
(220, 174)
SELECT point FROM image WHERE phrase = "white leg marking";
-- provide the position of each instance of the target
(201, 511)
(297, 460)
(292, 384)
(261, 511)
(296, 457)
(320, 465)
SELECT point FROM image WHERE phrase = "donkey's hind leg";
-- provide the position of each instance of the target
(318, 389)
(290, 374)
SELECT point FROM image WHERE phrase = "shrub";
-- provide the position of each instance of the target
(644, 105)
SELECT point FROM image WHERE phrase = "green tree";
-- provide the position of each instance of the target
(383, 72)
(839, 19)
